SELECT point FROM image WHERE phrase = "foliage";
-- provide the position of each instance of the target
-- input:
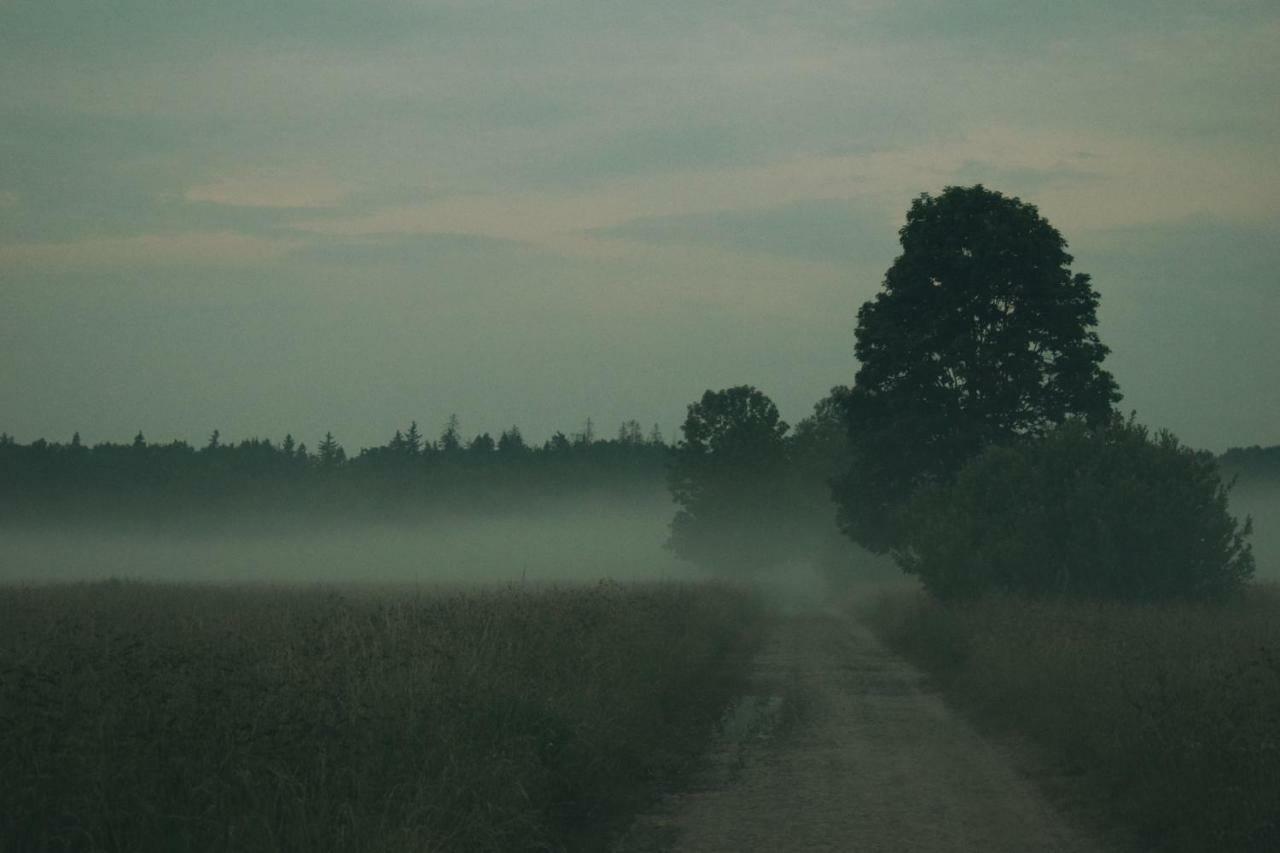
(818, 453)
(136, 717)
(728, 476)
(819, 449)
(1102, 512)
(1166, 717)
(981, 334)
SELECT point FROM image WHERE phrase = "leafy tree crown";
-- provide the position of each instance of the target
(981, 320)
(981, 335)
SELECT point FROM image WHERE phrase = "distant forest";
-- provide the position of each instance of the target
(52, 482)
(55, 482)
(1251, 463)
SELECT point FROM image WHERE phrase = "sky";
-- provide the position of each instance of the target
(271, 216)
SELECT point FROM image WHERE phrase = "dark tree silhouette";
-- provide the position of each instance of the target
(330, 454)
(413, 440)
(587, 437)
(511, 441)
(451, 439)
(397, 445)
(981, 334)
(254, 480)
(1114, 512)
(629, 433)
(729, 477)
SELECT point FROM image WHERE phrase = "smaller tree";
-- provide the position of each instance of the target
(330, 454)
(413, 440)
(587, 437)
(396, 446)
(1098, 512)
(450, 439)
(630, 434)
(512, 442)
(729, 477)
(558, 443)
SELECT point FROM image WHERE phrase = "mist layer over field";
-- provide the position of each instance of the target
(566, 541)
(1260, 499)
(571, 540)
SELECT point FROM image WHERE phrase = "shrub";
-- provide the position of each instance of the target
(1113, 512)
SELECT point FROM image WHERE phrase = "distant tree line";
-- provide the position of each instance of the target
(1251, 463)
(56, 482)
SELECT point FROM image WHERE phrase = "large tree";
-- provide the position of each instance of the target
(981, 334)
(729, 477)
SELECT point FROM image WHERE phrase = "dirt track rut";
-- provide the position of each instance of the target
(873, 761)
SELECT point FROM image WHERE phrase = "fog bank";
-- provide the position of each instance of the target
(565, 542)
(1260, 499)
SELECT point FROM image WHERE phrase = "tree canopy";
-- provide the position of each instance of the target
(980, 334)
(728, 476)
(1113, 511)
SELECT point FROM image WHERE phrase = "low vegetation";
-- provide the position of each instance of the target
(142, 717)
(1108, 512)
(1167, 714)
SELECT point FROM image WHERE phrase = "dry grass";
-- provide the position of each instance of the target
(1169, 714)
(141, 717)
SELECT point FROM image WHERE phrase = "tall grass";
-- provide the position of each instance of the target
(142, 717)
(1170, 714)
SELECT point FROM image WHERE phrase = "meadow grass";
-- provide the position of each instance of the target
(1167, 716)
(137, 717)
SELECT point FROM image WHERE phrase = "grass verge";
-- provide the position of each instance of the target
(143, 717)
(1168, 715)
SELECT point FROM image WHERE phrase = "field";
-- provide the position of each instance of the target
(144, 717)
(1161, 722)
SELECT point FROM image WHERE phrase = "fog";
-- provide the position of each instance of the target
(569, 541)
(1260, 499)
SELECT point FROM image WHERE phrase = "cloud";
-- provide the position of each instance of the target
(1010, 25)
(838, 231)
(150, 250)
(272, 189)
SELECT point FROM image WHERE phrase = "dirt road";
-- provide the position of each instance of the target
(872, 761)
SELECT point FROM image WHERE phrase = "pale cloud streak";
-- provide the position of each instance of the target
(294, 189)
(206, 248)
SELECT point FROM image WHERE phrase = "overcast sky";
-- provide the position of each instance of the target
(310, 215)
